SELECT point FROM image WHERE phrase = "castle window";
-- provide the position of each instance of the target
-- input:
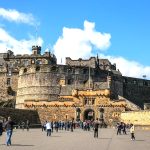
(134, 82)
(69, 81)
(33, 61)
(77, 71)
(34, 52)
(26, 62)
(11, 65)
(38, 62)
(18, 61)
(145, 83)
(25, 70)
(66, 116)
(89, 101)
(8, 81)
(85, 102)
(125, 81)
(68, 70)
(37, 68)
(84, 71)
(53, 68)
(93, 101)
(10, 91)
(9, 73)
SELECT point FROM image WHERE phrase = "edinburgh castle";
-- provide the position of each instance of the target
(80, 89)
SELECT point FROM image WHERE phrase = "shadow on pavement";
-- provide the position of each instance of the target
(17, 145)
(20, 145)
(105, 138)
(140, 140)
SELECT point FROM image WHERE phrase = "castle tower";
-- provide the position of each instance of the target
(36, 50)
(37, 83)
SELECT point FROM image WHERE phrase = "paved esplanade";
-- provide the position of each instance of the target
(35, 139)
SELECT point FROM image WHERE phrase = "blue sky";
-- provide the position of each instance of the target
(75, 29)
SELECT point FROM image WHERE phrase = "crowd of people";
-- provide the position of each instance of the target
(49, 127)
(122, 129)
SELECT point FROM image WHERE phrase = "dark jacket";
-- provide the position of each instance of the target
(9, 125)
(96, 124)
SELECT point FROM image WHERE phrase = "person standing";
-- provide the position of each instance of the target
(9, 129)
(27, 125)
(119, 127)
(52, 125)
(132, 132)
(71, 124)
(48, 128)
(23, 125)
(1, 127)
(96, 125)
(124, 128)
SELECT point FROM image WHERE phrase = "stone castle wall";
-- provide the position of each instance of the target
(111, 114)
(80, 62)
(56, 113)
(8, 89)
(38, 84)
(20, 115)
(116, 86)
(136, 90)
(40, 80)
(136, 117)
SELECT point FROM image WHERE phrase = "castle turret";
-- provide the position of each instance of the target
(36, 50)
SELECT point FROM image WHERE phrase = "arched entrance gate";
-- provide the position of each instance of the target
(89, 114)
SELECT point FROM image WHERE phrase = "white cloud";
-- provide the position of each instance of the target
(17, 46)
(19, 17)
(77, 43)
(129, 68)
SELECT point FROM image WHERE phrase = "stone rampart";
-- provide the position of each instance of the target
(19, 115)
(140, 118)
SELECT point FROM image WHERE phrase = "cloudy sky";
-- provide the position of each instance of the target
(113, 29)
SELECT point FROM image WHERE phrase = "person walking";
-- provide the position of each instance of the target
(9, 129)
(96, 125)
(132, 129)
(48, 128)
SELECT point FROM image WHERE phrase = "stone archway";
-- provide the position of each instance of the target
(89, 114)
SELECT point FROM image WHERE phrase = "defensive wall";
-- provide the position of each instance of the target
(134, 89)
(19, 115)
(140, 119)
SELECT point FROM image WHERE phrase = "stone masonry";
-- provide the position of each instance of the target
(37, 82)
